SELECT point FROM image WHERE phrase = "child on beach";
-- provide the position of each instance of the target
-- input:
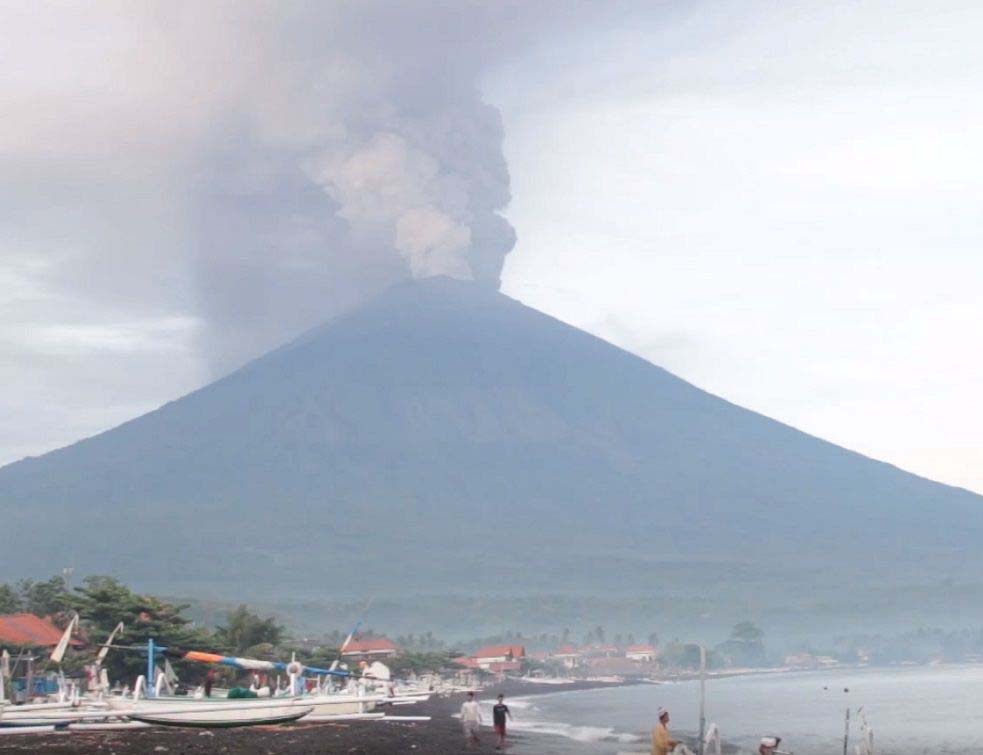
(499, 714)
(470, 719)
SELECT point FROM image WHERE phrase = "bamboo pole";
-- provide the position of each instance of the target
(846, 732)
(703, 698)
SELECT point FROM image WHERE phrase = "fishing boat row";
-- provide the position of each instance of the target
(158, 704)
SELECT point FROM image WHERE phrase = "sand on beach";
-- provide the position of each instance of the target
(442, 735)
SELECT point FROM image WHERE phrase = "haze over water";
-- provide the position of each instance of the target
(911, 710)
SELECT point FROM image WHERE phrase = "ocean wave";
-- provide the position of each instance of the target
(577, 733)
(519, 703)
(515, 703)
(533, 725)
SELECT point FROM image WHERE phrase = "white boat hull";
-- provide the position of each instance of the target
(213, 719)
(41, 714)
(320, 705)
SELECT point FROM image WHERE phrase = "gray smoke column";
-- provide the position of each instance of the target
(355, 150)
(252, 168)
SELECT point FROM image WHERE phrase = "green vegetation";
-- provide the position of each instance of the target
(246, 634)
(746, 631)
(46, 598)
(745, 647)
(419, 662)
(10, 601)
(103, 602)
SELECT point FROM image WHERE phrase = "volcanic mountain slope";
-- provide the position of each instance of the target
(446, 438)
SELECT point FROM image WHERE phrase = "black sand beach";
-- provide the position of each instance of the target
(439, 736)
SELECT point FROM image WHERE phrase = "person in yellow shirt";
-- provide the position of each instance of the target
(662, 743)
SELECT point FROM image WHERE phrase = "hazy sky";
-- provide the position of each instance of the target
(779, 202)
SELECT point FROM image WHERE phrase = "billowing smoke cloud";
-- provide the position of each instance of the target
(397, 194)
(355, 151)
(184, 185)
(254, 167)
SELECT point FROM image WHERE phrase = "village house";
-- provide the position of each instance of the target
(801, 660)
(28, 630)
(25, 631)
(370, 649)
(569, 656)
(641, 653)
(601, 650)
(466, 661)
(810, 661)
(500, 658)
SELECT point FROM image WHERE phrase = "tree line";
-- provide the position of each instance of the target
(103, 602)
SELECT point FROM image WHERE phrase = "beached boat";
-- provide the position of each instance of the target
(337, 705)
(89, 711)
(52, 713)
(201, 714)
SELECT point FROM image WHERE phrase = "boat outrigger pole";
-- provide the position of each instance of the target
(149, 685)
(351, 634)
(246, 664)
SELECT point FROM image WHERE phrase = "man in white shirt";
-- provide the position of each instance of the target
(376, 670)
(471, 719)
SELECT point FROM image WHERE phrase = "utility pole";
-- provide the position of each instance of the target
(703, 698)
(846, 731)
(30, 679)
(149, 686)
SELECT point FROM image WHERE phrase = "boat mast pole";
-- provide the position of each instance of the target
(846, 731)
(703, 698)
(149, 686)
(30, 679)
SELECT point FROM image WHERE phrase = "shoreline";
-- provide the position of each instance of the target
(440, 736)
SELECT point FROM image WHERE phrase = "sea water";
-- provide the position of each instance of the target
(912, 711)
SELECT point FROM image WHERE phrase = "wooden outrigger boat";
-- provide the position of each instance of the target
(207, 714)
(338, 705)
(147, 706)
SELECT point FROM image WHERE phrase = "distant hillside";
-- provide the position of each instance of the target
(447, 439)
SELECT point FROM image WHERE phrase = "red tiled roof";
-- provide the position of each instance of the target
(567, 650)
(370, 645)
(466, 662)
(28, 629)
(495, 651)
(502, 666)
(639, 649)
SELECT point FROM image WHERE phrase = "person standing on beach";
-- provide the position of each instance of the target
(470, 719)
(662, 743)
(499, 713)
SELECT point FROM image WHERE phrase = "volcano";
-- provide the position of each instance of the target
(446, 439)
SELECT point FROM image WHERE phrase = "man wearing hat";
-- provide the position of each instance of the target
(662, 743)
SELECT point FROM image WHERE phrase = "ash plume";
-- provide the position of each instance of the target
(255, 167)
(356, 152)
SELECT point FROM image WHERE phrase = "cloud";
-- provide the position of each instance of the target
(246, 169)
(257, 167)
